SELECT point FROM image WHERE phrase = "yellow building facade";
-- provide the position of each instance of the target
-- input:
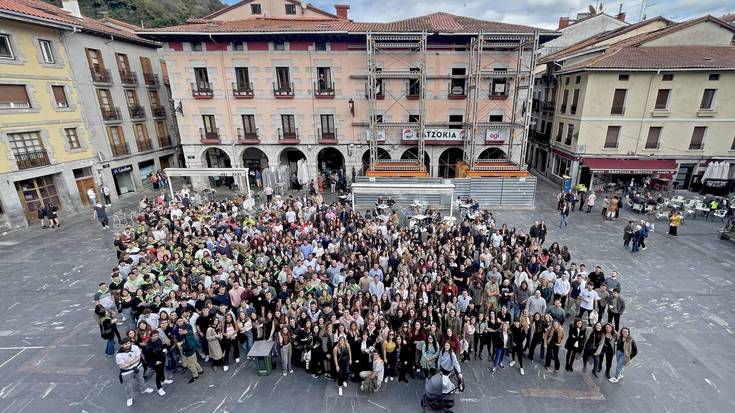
(46, 158)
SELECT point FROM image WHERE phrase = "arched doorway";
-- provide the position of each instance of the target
(330, 159)
(216, 158)
(255, 160)
(491, 153)
(448, 162)
(412, 153)
(382, 154)
(290, 158)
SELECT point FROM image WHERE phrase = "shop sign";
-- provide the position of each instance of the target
(122, 169)
(626, 171)
(497, 137)
(434, 135)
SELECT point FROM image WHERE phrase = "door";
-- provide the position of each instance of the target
(84, 184)
(37, 192)
(165, 162)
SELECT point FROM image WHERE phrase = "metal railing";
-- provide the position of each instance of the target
(144, 145)
(283, 90)
(100, 75)
(151, 79)
(327, 136)
(119, 149)
(291, 135)
(136, 112)
(243, 135)
(128, 77)
(209, 134)
(201, 90)
(158, 111)
(111, 114)
(242, 90)
(33, 159)
(324, 89)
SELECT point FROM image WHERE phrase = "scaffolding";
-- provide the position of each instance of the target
(392, 48)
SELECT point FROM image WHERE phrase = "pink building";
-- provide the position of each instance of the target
(268, 82)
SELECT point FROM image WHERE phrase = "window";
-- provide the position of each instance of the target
(118, 145)
(708, 99)
(141, 137)
(123, 65)
(248, 125)
(570, 135)
(577, 79)
(154, 98)
(378, 118)
(714, 76)
(560, 132)
(611, 139)
(327, 123)
(14, 97)
(162, 132)
(457, 84)
(561, 166)
(289, 126)
(732, 146)
(575, 100)
(72, 138)
(47, 51)
(414, 85)
(6, 51)
(324, 79)
(60, 96)
(455, 121)
(201, 77)
(131, 97)
(283, 79)
(668, 77)
(566, 80)
(662, 99)
(94, 59)
(242, 76)
(279, 46)
(196, 46)
(28, 149)
(654, 136)
(255, 9)
(105, 99)
(497, 85)
(414, 118)
(237, 46)
(496, 117)
(320, 46)
(290, 9)
(697, 142)
(210, 125)
(618, 104)
(564, 99)
(623, 78)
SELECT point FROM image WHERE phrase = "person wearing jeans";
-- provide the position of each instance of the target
(626, 350)
(503, 341)
(554, 337)
(563, 214)
(245, 332)
(284, 341)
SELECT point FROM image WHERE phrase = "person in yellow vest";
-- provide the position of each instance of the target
(674, 222)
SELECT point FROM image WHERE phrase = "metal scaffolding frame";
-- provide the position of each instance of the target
(389, 46)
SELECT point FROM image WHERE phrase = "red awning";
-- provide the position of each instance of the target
(630, 166)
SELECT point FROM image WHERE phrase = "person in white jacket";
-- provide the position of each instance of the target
(562, 287)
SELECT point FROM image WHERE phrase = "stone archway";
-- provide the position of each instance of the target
(412, 153)
(382, 154)
(330, 159)
(448, 162)
(290, 158)
(492, 153)
(216, 158)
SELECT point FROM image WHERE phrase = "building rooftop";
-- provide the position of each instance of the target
(662, 58)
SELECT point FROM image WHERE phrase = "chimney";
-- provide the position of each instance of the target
(563, 22)
(341, 10)
(72, 6)
(621, 16)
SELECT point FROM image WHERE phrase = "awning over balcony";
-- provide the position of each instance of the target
(630, 166)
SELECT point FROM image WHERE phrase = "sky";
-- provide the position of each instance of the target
(540, 13)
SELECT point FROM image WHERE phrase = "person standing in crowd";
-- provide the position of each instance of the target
(553, 339)
(674, 223)
(187, 346)
(628, 234)
(588, 302)
(605, 207)
(574, 343)
(155, 357)
(342, 356)
(591, 198)
(645, 230)
(128, 360)
(52, 213)
(626, 350)
(615, 308)
(106, 194)
(92, 196)
(563, 214)
(518, 335)
(503, 343)
(613, 210)
(593, 349)
(100, 212)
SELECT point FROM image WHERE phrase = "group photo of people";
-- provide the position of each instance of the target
(355, 297)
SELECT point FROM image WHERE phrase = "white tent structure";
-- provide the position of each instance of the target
(237, 173)
(364, 193)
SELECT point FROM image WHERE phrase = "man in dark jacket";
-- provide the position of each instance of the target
(155, 356)
(575, 342)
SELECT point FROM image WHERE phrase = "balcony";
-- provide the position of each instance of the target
(120, 149)
(111, 114)
(498, 96)
(137, 112)
(324, 90)
(456, 91)
(151, 80)
(158, 111)
(379, 94)
(247, 137)
(617, 110)
(328, 137)
(202, 90)
(128, 78)
(209, 135)
(290, 137)
(283, 91)
(144, 145)
(242, 90)
(164, 141)
(547, 107)
(540, 137)
(413, 93)
(33, 159)
(101, 75)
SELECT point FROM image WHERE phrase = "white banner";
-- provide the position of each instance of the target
(380, 135)
(496, 136)
(430, 135)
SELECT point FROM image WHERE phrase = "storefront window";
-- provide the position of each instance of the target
(37, 192)
(561, 166)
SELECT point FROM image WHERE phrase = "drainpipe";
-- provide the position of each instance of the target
(645, 110)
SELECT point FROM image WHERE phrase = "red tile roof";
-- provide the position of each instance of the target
(244, 2)
(431, 23)
(661, 58)
(728, 18)
(45, 12)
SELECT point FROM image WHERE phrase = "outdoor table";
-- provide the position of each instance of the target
(449, 220)
(382, 206)
(419, 217)
(261, 350)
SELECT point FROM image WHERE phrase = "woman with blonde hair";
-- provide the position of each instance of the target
(626, 350)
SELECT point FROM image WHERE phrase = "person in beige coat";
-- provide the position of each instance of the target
(214, 335)
(554, 339)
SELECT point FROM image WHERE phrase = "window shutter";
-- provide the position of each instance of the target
(13, 93)
(60, 96)
(611, 140)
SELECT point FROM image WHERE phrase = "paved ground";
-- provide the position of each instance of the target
(679, 308)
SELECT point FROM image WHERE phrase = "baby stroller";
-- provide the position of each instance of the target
(439, 394)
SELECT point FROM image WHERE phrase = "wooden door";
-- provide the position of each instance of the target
(165, 162)
(83, 184)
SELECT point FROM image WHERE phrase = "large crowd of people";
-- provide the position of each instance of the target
(349, 296)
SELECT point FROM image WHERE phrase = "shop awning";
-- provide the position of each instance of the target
(630, 166)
